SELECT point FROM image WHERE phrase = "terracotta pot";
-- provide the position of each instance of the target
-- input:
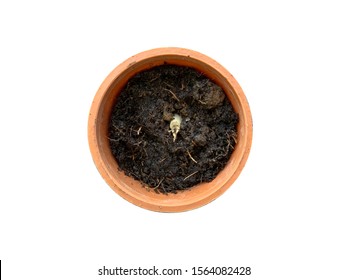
(131, 189)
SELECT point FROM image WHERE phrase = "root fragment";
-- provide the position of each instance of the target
(191, 157)
(190, 175)
(173, 94)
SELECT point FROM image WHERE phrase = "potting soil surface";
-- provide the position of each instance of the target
(148, 112)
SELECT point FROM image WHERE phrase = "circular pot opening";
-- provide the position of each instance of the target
(131, 189)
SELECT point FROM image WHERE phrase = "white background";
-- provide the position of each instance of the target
(285, 216)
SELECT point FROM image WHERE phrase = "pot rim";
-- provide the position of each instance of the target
(132, 190)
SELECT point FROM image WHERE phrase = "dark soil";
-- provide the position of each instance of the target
(140, 136)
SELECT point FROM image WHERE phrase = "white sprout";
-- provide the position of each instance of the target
(175, 125)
